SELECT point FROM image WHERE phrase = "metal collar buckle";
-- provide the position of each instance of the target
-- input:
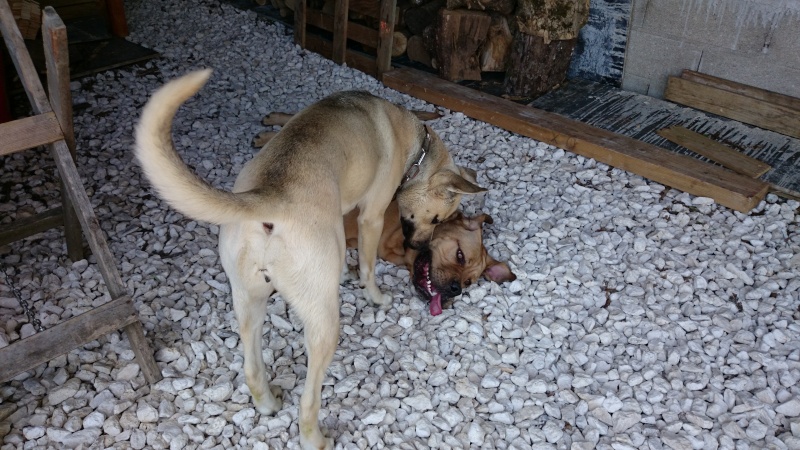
(413, 171)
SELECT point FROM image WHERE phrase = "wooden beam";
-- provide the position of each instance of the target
(715, 151)
(29, 132)
(734, 106)
(56, 51)
(29, 226)
(681, 172)
(66, 336)
(738, 88)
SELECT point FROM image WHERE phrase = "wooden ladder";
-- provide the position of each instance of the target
(51, 126)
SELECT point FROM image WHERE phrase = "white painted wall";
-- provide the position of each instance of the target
(755, 42)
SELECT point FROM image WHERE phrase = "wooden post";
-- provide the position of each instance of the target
(385, 35)
(340, 13)
(56, 49)
(300, 23)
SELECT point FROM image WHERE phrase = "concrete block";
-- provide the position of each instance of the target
(655, 58)
(784, 42)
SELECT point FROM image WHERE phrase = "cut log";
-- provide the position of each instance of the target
(459, 37)
(420, 17)
(552, 19)
(417, 52)
(497, 48)
(536, 67)
(498, 6)
(399, 43)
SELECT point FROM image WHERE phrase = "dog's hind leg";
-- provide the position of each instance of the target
(250, 298)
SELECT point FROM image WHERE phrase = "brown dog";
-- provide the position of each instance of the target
(454, 259)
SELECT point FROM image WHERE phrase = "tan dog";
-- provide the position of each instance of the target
(454, 259)
(281, 227)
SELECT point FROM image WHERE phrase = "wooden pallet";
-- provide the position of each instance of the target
(688, 174)
(52, 127)
(343, 29)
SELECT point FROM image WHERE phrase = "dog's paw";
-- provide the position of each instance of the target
(316, 443)
(262, 138)
(271, 403)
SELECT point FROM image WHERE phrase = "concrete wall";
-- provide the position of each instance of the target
(755, 42)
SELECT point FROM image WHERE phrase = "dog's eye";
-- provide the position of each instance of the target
(435, 220)
(468, 283)
(460, 257)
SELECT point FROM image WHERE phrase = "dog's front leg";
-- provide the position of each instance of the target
(369, 234)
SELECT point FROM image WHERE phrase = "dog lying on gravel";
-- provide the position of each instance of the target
(281, 227)
(453, 260)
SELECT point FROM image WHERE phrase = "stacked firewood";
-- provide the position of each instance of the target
(530, 40)
(28, 16)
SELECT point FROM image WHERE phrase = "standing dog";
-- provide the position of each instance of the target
(281, 226)
(453, 260)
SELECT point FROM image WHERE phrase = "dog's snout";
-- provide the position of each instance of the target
(454, 289)
(408, 228)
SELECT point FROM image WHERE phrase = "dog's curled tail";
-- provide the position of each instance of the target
(172, 178)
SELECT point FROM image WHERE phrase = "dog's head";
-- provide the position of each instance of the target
(454, 260)
(434, 194)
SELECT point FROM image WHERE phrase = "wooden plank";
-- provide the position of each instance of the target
(62, 338)
(386, 35)
(715, 151)
(56, 52)
(340, 10)
(681, 172)
(29, 132)
(356, 60)
(734, 106)
(738, 88)
(22, 228)
(355, 31)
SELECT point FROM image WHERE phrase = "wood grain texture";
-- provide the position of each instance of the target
(734, 106)
(67, 335)
(681, 172)
(713, 150)
(29, 132)
(739, 88)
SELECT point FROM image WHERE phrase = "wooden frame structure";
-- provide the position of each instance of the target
(52, 126)
(342, 29)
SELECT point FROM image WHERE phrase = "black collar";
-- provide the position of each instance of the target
(414, 169)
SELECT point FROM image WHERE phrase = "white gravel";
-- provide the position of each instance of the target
(642, 318)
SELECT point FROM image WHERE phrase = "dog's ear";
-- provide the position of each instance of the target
(468, 174)
(475, 222)
(452, 182)
(498, 272)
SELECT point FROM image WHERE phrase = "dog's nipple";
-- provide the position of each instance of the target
(268, 227)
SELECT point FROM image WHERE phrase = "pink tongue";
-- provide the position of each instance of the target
(436, 304)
